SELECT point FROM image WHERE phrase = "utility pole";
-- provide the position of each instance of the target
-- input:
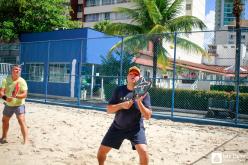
(237, 9)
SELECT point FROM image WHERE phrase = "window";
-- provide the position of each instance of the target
(107, 2)
(120, 16)
(80, 8)
(35, 72)
(92, 18)
(92, 3)
(59, 73)
(188, 6)
(122, 1)
(106, 16)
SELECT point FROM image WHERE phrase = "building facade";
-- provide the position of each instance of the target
(55, 61)
(224, 12)
(93, 11)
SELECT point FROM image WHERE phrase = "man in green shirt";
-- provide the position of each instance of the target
(14, 91)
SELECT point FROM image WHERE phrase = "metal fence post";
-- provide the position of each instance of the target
(237, 9)
(46, 80)
(79, 73)
(174, 75)
(120, 82)
(92, 80)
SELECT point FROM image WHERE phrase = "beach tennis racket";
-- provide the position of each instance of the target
(141, 87)
(16, 90)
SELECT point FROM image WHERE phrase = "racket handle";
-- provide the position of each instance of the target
(4, 97)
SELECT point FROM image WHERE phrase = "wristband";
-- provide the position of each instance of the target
(4, 97)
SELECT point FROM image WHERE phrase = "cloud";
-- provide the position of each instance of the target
(210, 20)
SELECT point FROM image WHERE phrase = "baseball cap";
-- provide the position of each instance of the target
(134, 68)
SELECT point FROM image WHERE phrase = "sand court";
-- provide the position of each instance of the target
(71, 136)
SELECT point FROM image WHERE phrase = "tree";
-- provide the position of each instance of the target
(111, 64)
(157, 19)
(19, 16)
(102, 25)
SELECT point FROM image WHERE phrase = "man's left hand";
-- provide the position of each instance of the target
(141, 98)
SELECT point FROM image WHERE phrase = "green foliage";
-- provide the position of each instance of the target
(156, 17)
(228, 88)
(111, 64)
(18, 16)
(7, 31)
(102, 26)
(192, 99)
(187, 99)
(243, 100)
(108, 90)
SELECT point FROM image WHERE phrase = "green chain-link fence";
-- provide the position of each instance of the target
(193, 74)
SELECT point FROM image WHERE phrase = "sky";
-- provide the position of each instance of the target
(210, 5)
(210, 14)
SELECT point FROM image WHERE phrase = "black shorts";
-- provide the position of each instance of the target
(114, 137)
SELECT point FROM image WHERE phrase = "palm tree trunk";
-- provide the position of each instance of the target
(156, 44)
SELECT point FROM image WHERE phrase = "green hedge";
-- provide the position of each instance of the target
(108, 90)
(243, 102)
(228, 88)
(186, 99)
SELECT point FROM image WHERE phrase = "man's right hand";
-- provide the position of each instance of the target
(127, 104)
(9, 99)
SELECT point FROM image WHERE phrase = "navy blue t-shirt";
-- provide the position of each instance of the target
(128, 119)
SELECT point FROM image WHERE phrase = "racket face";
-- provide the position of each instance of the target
(141, 87)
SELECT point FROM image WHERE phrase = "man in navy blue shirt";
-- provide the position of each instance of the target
(128, 121)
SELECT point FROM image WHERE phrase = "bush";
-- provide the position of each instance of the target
(185, 99)
(108, 90)
(228, 88)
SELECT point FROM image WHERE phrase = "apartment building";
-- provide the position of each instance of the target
(93, 11)
(223, 52)
(224, 12)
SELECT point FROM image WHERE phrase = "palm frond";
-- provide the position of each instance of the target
(123, 29)
(131, 44)
(174, 10)
(131, 13)
(162, 5)
(185, 23)
(158, 29)
(153, 11)
(102, 26)
(190, 46)
(163, 57)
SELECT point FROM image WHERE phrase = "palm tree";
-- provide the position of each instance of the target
(157, 19)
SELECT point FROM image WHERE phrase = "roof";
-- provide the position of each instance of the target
(63, 34)
(214, 69)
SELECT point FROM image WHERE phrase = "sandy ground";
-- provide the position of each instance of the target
(63, 136)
